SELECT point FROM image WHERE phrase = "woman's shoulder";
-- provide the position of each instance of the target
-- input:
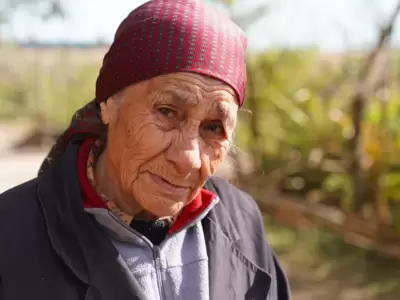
(21, 218)
(16, 199)
(233, 198)
(242, 211)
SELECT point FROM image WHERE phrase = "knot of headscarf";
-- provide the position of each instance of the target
(162, 37)
(85, 121)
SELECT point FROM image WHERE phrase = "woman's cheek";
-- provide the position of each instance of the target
(214, 164)
(216, 157)
(153, 141)
(127, 169)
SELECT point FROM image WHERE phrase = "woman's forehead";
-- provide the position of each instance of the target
(193, 87)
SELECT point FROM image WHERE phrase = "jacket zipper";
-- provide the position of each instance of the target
(156, 255)
(156, 249)
(157, 262)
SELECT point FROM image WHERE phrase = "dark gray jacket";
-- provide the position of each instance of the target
(51, 249)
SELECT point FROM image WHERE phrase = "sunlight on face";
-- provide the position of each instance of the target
(168, 136)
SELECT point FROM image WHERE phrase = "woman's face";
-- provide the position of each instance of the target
(165, 139)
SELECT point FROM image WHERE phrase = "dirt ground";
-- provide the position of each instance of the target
(16, 166)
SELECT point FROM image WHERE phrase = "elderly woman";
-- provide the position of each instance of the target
(125, 205)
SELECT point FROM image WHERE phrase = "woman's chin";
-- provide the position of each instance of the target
(165, 208)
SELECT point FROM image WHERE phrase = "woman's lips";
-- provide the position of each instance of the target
(167, 185)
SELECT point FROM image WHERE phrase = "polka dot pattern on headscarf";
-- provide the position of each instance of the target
(166, 36)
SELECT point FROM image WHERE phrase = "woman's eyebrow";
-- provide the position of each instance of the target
(222, 113)
(181, 98)
(184, 98)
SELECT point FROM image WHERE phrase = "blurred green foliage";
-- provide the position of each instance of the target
(301, 128)
(46, 88)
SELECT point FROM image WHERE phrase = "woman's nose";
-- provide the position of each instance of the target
(185, 155)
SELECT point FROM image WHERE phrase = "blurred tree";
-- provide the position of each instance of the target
(51, 8)
(364, 89)
(245, 20)
(43, 9)
(326, 133)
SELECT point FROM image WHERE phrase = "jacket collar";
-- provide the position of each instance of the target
(76, 237)
(230, 248)
(222, 219)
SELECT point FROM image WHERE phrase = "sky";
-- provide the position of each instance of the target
(332, 25)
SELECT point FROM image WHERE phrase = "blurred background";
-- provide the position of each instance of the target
(318, 142)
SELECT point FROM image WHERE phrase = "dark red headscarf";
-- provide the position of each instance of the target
(161, 37)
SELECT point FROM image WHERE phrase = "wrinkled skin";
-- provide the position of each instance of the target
(166, 137)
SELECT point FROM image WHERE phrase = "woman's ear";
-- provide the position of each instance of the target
(108, 110)
(105, 116)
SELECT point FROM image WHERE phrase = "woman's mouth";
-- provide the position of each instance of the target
(163, 183)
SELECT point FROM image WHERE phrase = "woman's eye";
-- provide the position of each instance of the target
(167, 112)
(216, 128)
